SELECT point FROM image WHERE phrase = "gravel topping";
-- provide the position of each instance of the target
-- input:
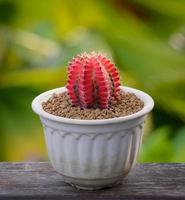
(60, 105)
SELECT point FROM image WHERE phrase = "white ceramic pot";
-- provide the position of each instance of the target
(93, 154)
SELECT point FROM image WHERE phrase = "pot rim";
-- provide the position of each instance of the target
(37, 108)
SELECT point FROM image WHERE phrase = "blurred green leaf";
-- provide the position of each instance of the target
(8, 11)
(170, 8)
(179, 147)
(16, 113)
(40, 78)
(157, 147)
(83, 40)
(16, 116)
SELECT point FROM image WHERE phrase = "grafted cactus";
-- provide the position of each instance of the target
(93, 81)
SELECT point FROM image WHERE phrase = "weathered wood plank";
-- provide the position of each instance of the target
(39, 181)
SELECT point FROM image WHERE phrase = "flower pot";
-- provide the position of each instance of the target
(93, 154)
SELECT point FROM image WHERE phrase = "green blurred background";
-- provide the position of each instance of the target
(146, 40)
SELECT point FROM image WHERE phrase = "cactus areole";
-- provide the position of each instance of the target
(93, 81)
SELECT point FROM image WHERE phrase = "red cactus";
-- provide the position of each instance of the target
(93, 81)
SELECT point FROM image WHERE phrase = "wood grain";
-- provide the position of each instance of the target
(37, 180)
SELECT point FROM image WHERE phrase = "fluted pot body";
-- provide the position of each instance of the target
(92, 154)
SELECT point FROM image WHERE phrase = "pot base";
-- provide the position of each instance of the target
(78, 187)
(93, 184)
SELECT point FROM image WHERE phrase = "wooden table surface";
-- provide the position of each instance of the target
(37, 180)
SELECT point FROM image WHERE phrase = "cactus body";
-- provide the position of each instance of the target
(93, 81)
